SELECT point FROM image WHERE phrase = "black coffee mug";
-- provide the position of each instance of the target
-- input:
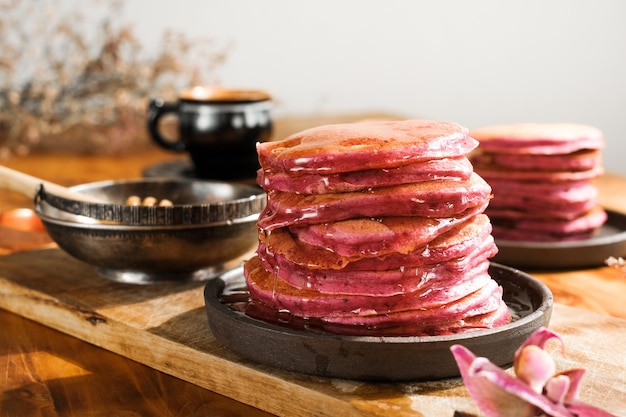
(218, 128)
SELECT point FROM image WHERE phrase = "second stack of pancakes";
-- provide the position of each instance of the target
(541, 175)
(375, 228)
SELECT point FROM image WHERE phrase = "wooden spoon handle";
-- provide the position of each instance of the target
(28, 186)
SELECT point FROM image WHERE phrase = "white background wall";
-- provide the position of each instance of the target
(473, 62)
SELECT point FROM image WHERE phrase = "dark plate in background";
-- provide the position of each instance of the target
(375, 358)
(588, 253)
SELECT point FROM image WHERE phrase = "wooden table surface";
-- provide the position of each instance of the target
(50, 373)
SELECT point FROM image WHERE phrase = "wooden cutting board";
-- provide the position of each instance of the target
(165, 327)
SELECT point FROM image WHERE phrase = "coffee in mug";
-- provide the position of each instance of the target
(218, 127)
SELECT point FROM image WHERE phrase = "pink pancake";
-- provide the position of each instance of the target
(538, 138)
(436, 169)
(367, 237)
(493, 172)
(508, 227)
(381, 282)
(459, 241)
(562, 191)
(526, 207)
(427, 199)
(479, 310)
(519, 235)
(365, 145)
(578, 161)
(272, 291)
(407, 323)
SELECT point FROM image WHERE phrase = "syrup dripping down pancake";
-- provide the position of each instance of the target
(459, 241)
(428, 199)
(382, 282)
(368, 237)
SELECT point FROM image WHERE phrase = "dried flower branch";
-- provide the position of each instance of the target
(64, 78)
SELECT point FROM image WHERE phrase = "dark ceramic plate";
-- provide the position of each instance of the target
(589, 253)
(375, 358)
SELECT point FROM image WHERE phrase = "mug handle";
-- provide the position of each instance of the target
(158, 108)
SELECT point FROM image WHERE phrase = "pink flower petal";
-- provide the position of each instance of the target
(557, 388)
(540, 338)
(575, 377)
(534, 366)
(499, 394)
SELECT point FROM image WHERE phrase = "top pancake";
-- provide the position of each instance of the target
(364, 145)
(538, 138)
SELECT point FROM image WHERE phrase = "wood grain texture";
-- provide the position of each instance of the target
(64, 376)
(165, 327)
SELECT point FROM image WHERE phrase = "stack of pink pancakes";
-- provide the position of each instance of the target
(375, 228)
(541, 176)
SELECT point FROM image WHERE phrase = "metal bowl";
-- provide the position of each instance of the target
(180, 251)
